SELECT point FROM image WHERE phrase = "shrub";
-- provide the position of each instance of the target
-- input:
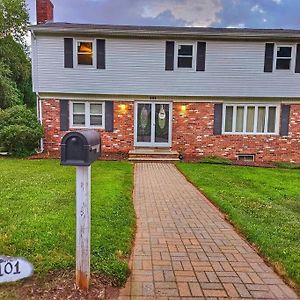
(286, 165)
(20, 130)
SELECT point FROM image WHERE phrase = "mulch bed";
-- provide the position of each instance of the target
(60, 285)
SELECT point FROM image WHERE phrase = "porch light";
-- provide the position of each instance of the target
(123, 107)
(183, 108)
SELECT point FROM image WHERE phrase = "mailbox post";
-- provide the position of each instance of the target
(80, 149)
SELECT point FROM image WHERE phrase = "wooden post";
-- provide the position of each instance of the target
(83, 226)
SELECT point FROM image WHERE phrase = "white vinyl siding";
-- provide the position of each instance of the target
(87, 114)
(251, 119)
(137, 67)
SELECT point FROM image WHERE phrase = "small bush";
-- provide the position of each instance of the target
(286, 165)
(20, 130)
(216, 160)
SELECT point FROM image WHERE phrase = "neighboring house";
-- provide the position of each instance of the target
(198, 91)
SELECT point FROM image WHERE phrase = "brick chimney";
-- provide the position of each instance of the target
(44, 11)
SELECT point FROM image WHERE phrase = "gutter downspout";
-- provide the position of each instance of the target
(35, 81)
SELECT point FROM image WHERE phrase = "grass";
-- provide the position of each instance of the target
(264, 204)
(37, 215)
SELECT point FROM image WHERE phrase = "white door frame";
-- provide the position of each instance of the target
(152, 143)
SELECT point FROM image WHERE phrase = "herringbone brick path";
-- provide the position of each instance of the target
(184, 248)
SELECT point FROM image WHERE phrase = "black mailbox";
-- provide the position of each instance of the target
(80, 148)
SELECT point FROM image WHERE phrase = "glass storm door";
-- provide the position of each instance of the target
(153, 124)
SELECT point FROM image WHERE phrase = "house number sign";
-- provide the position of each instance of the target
(14, 268)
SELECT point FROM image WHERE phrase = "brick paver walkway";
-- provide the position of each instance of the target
(185, 249)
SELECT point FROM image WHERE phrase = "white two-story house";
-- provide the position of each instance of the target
(198, 91)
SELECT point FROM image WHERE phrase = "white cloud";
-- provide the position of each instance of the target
(257, 8)
(277, 1)
(240, 25)
(192, 12)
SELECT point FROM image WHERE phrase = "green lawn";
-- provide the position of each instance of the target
(37, 215)
(264, 204)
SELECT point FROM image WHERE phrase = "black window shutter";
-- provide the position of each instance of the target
(218, 118)
(169, 56)
(109, 116)
(269, 57)
(64, 115)
(68, 52)
(201, 52)
(100, 54)
(297, 69)
(285, 120)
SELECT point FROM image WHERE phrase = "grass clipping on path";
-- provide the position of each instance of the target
(38, 216)
(264, 204)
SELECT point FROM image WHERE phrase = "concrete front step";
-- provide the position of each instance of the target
(153, 159)
(153, 155)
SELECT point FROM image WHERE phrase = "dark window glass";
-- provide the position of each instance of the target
(185, 62)
(228, 118)
(272, 119)
(79, 119)
(95, 120)
(185, 50)
(162, 123)
(144, 123)
(185, 56)
(85, 59)
(284, 51)
(283, 64)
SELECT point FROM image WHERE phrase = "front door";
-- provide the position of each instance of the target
(153, 124)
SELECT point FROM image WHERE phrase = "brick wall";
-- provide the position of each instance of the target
(193, 137)
(114, 144)
(44, 11)
(192, 134)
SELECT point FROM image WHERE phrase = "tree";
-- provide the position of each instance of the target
(13, 56)
(15, 68)
(14, 19)
(9, 93)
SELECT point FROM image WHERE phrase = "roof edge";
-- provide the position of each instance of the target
(163, 31)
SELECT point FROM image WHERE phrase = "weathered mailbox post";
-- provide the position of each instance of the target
(80, 149)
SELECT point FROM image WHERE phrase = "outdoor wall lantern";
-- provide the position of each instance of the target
(123, 107)
(80, 149)
(183, 108)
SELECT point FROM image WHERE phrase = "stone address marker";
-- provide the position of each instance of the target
(14, 268)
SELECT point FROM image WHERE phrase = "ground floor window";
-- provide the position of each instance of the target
(251, 118)
(87, 114)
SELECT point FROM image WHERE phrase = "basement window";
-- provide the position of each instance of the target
(85, 53)
(246, 157)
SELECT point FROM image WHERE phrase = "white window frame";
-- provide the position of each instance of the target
(87, 114)
(293, 58)
(246, 105)
(185, 43)
(75, 58)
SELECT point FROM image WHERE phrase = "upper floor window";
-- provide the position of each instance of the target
(185, 56)
(85, 53)
(251, 119)
(87, 114)
(284, 57)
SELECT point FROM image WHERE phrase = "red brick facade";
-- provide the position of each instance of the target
(192, 134)
(193, 137)
(114, 144)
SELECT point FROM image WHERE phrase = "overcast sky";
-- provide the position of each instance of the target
(216, 13)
